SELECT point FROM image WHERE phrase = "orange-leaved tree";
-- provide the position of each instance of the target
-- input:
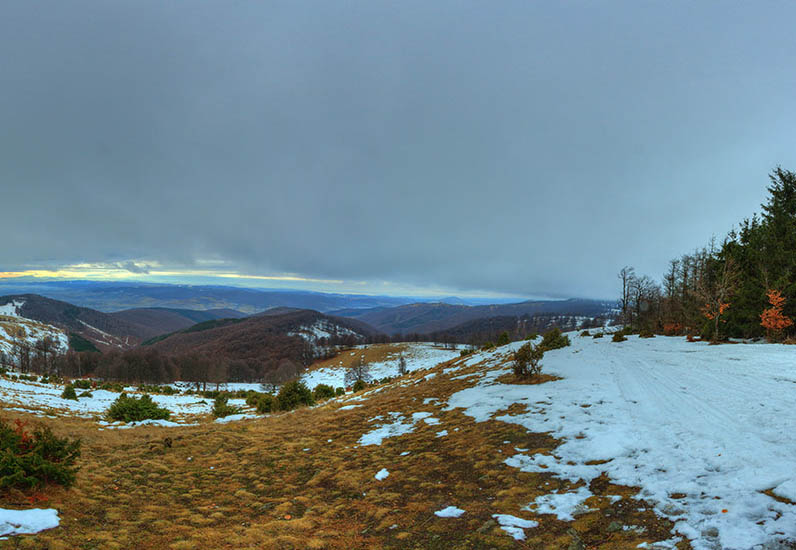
(714, 312)
(772, 319)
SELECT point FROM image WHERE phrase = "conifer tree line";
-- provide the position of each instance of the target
(742, 287)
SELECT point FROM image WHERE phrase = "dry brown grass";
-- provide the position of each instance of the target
(374, 353)
(252, 484)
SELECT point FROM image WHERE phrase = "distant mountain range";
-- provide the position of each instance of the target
(111, 296)
(426, 318)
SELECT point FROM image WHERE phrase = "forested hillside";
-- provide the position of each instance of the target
(743, 286)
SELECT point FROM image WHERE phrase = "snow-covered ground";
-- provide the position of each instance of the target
(34, 395)
(418, 356)
(26, 522)
(712, 423)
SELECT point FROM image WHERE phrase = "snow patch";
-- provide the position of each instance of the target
(449, 512)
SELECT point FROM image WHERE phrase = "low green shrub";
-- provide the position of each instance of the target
(253, 398)
(554, 339)
(112, 386)
(618, 337)
(266, 403)
(131, 409)
(528, 360)
(86, 394)
(322, 392)
(646, 333)
(222, 408)
(69, 393)
(294, 394)
(82, 384)
(33, 459)
(598, 335)
(359, 385)
(585, 333)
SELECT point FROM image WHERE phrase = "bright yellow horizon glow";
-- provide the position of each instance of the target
(93, 271)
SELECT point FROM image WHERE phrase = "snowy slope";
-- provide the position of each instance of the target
(713, 423)
(418, 356)
(13, 325)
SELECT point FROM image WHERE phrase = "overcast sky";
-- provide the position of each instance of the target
(523, 148)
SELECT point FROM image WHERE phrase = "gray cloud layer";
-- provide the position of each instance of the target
(514, 146)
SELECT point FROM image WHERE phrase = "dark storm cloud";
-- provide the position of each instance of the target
(516, 147)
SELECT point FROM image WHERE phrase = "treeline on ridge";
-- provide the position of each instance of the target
(743, 287)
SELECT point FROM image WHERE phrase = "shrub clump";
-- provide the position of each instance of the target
(322, 392)
(82, 384)
(359, 385)
(69, 392)
(618, 337)
(585, 333)
(339, 391)
(37, 458)
(598, 335)
(131, 409)
(222, 408)
(553, 339)
(528, 360)
(646, 333)
(294, 394)
(266, 403)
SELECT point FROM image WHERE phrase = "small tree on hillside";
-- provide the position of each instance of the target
(402, 365)
(528, 360)
(716, 289)
(360, 371)
(772, 319)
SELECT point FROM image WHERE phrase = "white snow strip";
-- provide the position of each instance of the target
(514, 526)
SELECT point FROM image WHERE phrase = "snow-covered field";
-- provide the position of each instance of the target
(702, 430)
(35, 396)
(418, 356)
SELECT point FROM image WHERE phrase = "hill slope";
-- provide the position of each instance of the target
(646, 443)
(155, 321)
(265, 337)
(102, 329)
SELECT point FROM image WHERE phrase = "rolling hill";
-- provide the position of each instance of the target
(155, 321)
(101, 329)
(270, 336)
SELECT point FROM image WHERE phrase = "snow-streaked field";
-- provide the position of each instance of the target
(418, 356)
(46, 398)
(32, 396)
(702, 430)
